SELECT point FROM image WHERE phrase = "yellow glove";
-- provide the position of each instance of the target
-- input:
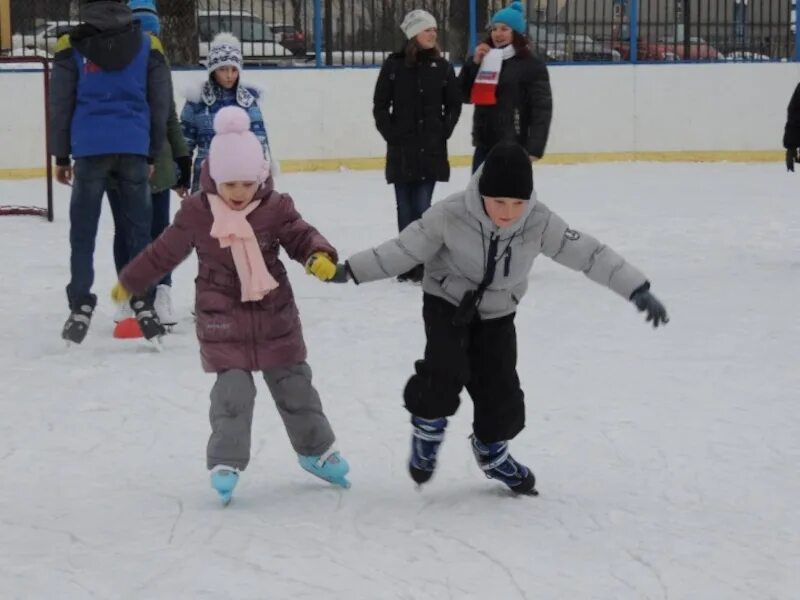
(321, 266)
(119, 294)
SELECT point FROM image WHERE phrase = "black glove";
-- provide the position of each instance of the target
(185, 167)
(645, 301)
(342, 274)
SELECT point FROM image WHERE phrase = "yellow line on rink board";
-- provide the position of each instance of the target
(32, 173)
(368, 164)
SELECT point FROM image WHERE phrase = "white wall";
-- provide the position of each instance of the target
(327, 114)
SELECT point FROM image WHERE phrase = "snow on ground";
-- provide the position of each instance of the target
(667, 460)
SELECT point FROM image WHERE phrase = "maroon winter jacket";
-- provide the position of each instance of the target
(235, 334)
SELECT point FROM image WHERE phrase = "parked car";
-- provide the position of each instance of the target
(44, 37)
(746, 56)
(259, 43)
(665, 49)
(555, 44)
(290, 38)
(699, 49)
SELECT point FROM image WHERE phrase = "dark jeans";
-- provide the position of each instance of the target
(91, 177)
(413, 199)
(481, 356)
(160, 203)
(479, 157)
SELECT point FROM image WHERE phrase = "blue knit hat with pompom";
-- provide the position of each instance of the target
(512, 15)
(146, 13)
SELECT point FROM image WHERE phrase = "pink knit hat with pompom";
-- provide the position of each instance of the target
(235, 153)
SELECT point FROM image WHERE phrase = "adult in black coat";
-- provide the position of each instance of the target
(417, 104)
(791, 134)
(523, 105)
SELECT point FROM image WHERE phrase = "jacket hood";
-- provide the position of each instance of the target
(106, 16)
(475, 207)
(108, 35)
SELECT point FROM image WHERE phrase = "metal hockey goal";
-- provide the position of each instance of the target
(24, 132)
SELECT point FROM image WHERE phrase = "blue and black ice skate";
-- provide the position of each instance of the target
(496, 463)
(330, 466)
(426, 437)
(224, 480)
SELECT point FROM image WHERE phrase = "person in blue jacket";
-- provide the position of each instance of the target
(109, 96)
(222, 87)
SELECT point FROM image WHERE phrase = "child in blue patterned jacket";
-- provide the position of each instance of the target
(223, 87)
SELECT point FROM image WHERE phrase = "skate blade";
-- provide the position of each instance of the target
(156, 344)
(342, 483)
(225, 499)
(531, 492)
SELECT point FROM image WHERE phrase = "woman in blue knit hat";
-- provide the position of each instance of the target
(510, 88)
(173, 169)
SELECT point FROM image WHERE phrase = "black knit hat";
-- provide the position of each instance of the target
(507, 172)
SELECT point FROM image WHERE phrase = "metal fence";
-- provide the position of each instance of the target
(318, 33)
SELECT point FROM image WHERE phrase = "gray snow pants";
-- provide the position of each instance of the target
(231, 414)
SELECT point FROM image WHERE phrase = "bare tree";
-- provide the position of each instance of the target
(459, 34)
(179, 31)
(26, 13)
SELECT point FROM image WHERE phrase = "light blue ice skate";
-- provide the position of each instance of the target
(224, 480)
(329, 466)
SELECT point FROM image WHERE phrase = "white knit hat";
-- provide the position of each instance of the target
(225, 51)
(416, 22)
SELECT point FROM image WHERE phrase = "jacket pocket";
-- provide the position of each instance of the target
(216, 316)
(214, 300)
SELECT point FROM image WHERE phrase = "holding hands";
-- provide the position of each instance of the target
(323, 268)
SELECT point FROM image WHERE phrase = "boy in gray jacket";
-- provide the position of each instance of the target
(478, 249)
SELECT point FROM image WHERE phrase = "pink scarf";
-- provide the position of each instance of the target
(233, 231)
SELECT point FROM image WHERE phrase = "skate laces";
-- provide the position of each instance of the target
(82, 314)
(491, 456)
(81, 318)
(224, 470)
(142, 310)
(429, 430)
(331, 453)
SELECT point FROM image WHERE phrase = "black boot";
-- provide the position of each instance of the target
(77, 325)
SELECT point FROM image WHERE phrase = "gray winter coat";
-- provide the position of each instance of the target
(452, 239)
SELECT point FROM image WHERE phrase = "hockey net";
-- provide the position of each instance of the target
(24, 131)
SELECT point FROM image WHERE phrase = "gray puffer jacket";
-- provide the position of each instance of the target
(452, 239)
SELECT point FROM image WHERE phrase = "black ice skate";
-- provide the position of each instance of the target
(149, 323)
(427, 436)
(77, 325)
(496, 463)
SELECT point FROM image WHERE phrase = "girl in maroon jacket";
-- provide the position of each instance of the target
(246, 316)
